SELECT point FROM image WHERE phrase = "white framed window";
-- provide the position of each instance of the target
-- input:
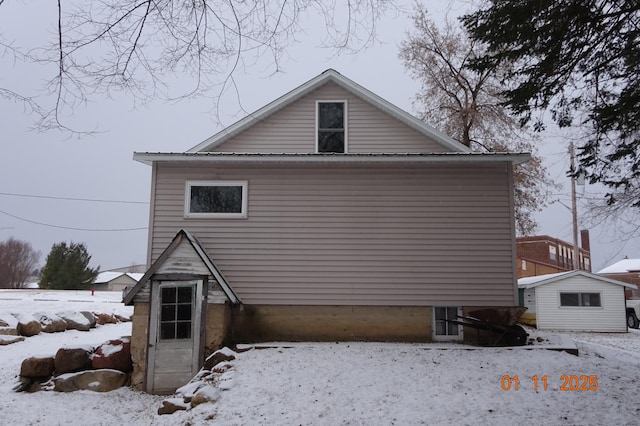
(331, 126)
(216, 199)
(552, 253)
(577, 299)
(443, 328)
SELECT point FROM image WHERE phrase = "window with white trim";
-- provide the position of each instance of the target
(176, 308)
(216, 199)
(580, 299)
(331, 119)
(444, 327)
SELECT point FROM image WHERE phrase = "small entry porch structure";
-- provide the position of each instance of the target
(186, 302)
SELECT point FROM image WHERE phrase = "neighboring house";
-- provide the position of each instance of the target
(329, 214)
(626, 270)
(134, 269)
(115, 281)
(576, 301)
(542, 254)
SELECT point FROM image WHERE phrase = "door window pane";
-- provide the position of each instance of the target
(176, 309)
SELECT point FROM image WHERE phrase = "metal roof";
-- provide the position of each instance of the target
(400, 158)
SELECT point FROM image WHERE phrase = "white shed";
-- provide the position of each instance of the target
(575, 300)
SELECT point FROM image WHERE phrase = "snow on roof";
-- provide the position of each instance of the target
(622, 267)
(525, 282)
(538, 280)
(105, 277)
(135, 275)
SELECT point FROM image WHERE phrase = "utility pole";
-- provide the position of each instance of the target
(574, 210)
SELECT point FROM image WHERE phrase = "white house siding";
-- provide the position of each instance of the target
(610, 317)
(369, 130)
(354, 235)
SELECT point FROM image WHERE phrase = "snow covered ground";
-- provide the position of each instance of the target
(345, 383)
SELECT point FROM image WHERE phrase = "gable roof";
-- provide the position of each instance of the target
(531, 282)
(181, 236)
(622, 267)
(333, 76)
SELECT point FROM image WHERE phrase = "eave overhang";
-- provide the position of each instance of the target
(381, 158)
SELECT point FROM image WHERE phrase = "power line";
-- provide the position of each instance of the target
(73, 199)
(72, 228)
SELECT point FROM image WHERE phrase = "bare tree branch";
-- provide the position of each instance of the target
(466, 105)
(138, 46)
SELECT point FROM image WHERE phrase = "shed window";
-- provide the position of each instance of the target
(332, 132)
(580, 299)
(216, 199)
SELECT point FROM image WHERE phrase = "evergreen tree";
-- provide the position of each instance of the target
(67, 268)
(579, 60)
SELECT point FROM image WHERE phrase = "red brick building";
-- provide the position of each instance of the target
(626, 270)
(542, 254)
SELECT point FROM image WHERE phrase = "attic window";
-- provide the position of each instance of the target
(331, 121)
(216, 199)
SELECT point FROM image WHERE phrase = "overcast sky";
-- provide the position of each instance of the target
(35, 166)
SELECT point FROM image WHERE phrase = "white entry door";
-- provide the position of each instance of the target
(174, 335)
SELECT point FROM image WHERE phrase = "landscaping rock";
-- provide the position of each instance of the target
(75, 321)
(122, 318)
(69, 360)
(170, 406)
(3, 323)
(51, 323)
(9, 339)
(205, 394)
(93, 380)
(37, 367)
(115, 354)
(29, 328)
(216, 358)
(8, 331)
(105, 319)
(90, 317)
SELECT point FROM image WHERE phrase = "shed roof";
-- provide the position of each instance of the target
(531, 282)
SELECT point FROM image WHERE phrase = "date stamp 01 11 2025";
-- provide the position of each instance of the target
(567, 383)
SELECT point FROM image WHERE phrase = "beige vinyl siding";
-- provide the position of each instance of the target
(293, 129)
(353, 235)
(611, 317)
